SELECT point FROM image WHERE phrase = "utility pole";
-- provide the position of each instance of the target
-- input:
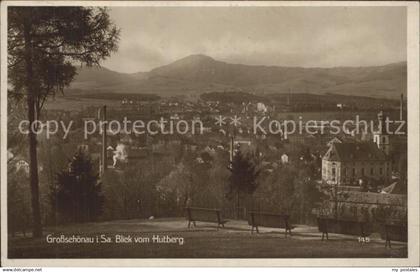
(104, 146)
(230, 167)
(231, 150)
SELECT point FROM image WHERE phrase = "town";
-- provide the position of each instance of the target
(172, 170)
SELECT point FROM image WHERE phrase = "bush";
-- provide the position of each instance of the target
(77, 195)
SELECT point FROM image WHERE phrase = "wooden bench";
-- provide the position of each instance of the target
(194, 214)
(340, 226)
(271, 220)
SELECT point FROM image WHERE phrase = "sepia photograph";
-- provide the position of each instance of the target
(210, 130)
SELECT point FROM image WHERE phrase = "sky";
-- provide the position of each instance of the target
(279, 36)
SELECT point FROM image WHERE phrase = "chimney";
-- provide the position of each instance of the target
(401, 107)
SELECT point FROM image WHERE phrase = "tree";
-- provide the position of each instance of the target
(18, 206)
(177, 187)
(77, 194)
(283, 188)
(243, 178)
(44, 44)
(307, 195)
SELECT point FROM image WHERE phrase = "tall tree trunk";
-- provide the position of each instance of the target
(52, 186)
(33, 160)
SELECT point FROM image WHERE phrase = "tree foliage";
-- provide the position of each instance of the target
(244, 173)
(18, 204)
(44, 44)
(57, 39)
(243, 179)
(280, 189)
(77, 194)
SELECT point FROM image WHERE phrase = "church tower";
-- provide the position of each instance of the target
(381, 137)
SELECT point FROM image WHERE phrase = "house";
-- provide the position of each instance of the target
(351, 163)
(284, 158)
(84, 148)
(22, 165)
(120, 154)
(354, 163)
(261, 107)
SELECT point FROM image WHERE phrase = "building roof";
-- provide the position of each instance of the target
(336, 139)
(395, 188)
(357, 151)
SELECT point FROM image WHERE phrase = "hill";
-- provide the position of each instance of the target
(197, 74)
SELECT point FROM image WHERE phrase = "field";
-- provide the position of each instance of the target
(76, 104)
(235, 241)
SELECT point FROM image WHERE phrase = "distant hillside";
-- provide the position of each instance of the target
(304, 101)
(198, 74)
(233, 97)
(119, 96)
(102, 78)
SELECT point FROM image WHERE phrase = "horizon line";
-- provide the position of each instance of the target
(253, 65)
